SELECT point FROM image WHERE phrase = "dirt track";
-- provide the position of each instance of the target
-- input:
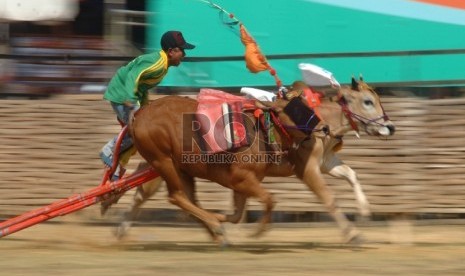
(310, 249)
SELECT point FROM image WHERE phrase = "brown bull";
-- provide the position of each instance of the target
(307, 158)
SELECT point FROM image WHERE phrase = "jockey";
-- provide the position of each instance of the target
(128, 89)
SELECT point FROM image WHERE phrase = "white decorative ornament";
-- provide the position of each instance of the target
(314, 75)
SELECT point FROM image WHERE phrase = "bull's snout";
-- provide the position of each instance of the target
(386, 130)
(392, 129)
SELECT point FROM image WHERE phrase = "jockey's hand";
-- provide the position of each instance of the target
(132, 106)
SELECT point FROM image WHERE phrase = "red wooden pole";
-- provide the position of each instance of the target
(75, 202)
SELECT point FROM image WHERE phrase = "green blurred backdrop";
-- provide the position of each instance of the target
(388, 41)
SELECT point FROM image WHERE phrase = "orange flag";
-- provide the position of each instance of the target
(254, 59)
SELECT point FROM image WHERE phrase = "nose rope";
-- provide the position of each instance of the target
(367, 121)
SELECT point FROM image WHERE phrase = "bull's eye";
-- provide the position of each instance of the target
(368, 103)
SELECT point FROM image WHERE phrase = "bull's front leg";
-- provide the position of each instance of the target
(336, 168)
(311, 174)
(319, 187)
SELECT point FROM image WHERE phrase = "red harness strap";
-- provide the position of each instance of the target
(342, 102)
(277, 122)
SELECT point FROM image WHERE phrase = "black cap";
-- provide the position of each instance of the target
(174, 39)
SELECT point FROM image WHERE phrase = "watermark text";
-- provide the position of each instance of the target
(229, 158)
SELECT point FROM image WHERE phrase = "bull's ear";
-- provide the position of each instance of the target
(346, 95)
(354, 84)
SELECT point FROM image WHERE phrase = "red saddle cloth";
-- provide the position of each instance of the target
(221, 120)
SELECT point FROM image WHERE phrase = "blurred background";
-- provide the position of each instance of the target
(56, 58)
(402, 47)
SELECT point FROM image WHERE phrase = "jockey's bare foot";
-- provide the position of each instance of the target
(106, 203)
(104, 206)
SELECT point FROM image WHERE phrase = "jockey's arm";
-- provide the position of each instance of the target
(145, 100)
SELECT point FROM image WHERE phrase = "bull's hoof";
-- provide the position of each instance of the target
(223, 243)
(260, 232)
(356, 240)
(218, 235)
(365, 211)
(122, 230)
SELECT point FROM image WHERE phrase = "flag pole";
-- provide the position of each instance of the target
(255, 59)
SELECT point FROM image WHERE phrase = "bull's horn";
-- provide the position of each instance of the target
(354, 84)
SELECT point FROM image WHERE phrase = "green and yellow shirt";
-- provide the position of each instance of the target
(132, 81)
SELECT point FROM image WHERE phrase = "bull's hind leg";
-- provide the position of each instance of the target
(240, 201)
(239, 206)
(176, 183)
(253, 188)
(336, 168)
(143, 193)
